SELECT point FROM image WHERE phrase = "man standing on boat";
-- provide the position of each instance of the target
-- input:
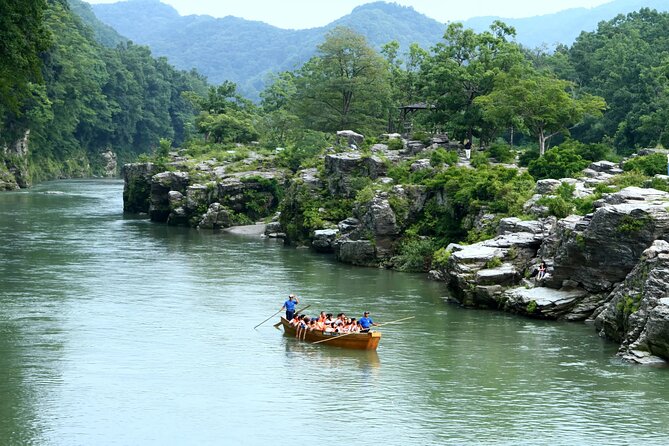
(366, 322)
(289, 305)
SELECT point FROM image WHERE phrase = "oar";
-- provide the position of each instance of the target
(357, 332)
(268, 318)
(297, 312)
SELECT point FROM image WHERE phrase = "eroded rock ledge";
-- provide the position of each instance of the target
(610, 267)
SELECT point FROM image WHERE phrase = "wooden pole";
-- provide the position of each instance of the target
(357, 332)
(297, 312)
(268, 318)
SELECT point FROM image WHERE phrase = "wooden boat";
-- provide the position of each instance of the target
(360, 341)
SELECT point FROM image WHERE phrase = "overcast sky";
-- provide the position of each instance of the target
(311, 13)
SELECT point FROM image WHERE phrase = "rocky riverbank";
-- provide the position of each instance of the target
(606, 267)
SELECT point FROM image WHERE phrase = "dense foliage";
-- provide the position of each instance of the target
(91, 98)
(625, 61)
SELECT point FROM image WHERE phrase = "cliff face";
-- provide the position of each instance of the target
(209, 201)
(611, 267)
(14, 168)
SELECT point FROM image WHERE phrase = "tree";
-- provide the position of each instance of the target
(462, 68)
(622, 62)
(537, 103)
(344, 86)
(24, 36)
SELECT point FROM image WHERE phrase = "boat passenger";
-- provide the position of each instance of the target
(322, 317)
(354, 326)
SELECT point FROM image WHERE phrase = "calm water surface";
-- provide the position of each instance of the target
(116, 331)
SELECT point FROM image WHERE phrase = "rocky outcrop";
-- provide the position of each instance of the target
(599, 250)
(109, 163)
(479, 273)
(344, 171)
(137, 186)
(14, 172)
(379, 222)
(350, 138)
(324, 240)
(637, 313)
(161, 185)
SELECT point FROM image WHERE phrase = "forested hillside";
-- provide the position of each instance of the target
(78, 98)
(245, 52)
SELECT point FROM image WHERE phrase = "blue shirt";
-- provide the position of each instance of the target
(366, 322)
(290, 305)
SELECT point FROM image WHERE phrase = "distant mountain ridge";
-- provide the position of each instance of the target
(246, 52)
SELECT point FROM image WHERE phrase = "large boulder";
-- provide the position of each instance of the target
(324, 240)
(137, 186)
(599, 251)
(637, 313)
(343, 171)
(350, 138)
(161, 185)
(109, 163)
(479, 273)
(216, 217)
(355, 252)
(542, 301)
(382, 220)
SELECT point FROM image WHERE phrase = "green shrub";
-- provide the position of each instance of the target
(422, 136)
(502, 152)
(479, 159)
(395, 144)
(495, 262)
(531, 307)
(414, 254)
(649, 165)
(557, 163)
(559, 207)
(441, 156)
(528, 155)
(565, 190)
(440, 258)
(592, 152)
(632, 224)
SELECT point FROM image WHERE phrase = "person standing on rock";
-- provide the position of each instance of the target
(289, 305)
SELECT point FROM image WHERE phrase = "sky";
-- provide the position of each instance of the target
(299, 14)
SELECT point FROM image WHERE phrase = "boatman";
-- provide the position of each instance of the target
(366, 322)
(289, 305)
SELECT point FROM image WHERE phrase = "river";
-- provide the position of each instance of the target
(117, 331)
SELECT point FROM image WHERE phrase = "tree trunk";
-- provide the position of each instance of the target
(511, 139)
(542, 143)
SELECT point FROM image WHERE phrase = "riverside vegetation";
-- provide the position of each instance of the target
(416, 203)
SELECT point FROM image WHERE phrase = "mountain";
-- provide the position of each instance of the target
(104, 34)
(246, 52)
(565, 26)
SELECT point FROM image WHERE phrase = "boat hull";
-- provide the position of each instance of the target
(358, 341)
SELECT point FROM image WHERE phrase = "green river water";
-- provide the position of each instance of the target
(117, 331)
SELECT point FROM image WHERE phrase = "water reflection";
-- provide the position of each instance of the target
(332, 357)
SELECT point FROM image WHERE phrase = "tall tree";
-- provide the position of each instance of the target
(537, 103)
(462, 68)
(23, 36)
(622, 62)
(344, 86)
